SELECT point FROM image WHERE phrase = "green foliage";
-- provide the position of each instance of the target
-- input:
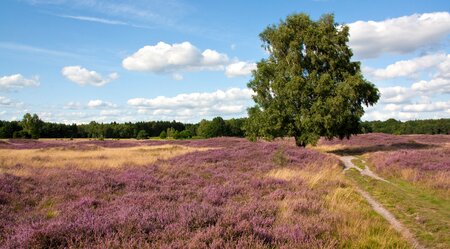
(142, 134)
(234, 127)
(21, 134)
(163, 135)
(215, 128)
(183, 134)
(32, 125)
(392, 126)
(7, 129)
(308, 87)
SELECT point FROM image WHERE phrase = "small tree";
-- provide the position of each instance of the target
(32, 125)
(170, 132)
(308, 87)
(163, 135)
(142, 134)
(185, 134)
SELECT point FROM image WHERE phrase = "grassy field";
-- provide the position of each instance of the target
(215, 193)
(418, 170)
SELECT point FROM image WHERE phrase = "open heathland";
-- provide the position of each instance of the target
(214, 193)
(417, 170)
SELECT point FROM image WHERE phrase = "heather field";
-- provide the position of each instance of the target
(417, 170)
(214, 193)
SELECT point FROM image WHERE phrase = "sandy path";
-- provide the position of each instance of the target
(397, 225)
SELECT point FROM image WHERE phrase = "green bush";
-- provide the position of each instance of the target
(163, 135)
(142, 134)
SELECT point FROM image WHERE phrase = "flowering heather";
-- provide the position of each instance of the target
(217, 198)
(373, 142)
(236, 194)
(430, 166)
(382, 139)
(416, 158)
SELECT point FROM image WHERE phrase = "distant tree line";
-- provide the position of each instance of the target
(31, 126)
(392, 126)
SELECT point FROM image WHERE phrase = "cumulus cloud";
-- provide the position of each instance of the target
(163, 58)
(370, 39)
(428, 107)
(437, 68)
(433, 86)
(395, 94)
(100, 104)
(83, 76)
(196, 105)
(240, 68)
(438, 84)
(17, 81)
(409, 68)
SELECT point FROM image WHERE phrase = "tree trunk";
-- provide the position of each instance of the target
(299, 143)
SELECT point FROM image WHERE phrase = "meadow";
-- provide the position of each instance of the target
(212, 193)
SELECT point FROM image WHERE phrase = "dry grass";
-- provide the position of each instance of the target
(357, 225)
(309, 174)
(94, 157)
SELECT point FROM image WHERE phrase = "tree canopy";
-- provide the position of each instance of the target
(308, 86)
(32, 125)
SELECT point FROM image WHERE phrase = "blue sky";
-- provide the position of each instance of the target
(77, 61)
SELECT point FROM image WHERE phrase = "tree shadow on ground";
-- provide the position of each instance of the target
(354, 151)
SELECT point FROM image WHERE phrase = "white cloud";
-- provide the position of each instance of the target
(163, 58)
(240, 68)
(108, 113)
(440, 83)
(395, 94)
(434, 86)
(408, 68)
(401, 35)
(392, 107)
(437, 67)
(428, 107)
(94, 19)
(16, 81)
(4, 101)
(100, 104)
(83, 76)
(384, 115)
(184, 57)
(196, 105)
(7, 102)
(73, 105)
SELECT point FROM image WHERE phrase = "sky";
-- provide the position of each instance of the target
(139, 60)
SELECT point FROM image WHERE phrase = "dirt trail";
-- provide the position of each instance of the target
(347, 160)
(397, 225)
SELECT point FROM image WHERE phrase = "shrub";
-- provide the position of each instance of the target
(142, 134)
(163, 135)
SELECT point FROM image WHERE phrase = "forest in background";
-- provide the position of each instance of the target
(33, 127)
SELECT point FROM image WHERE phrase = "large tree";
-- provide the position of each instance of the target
(308, 86)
